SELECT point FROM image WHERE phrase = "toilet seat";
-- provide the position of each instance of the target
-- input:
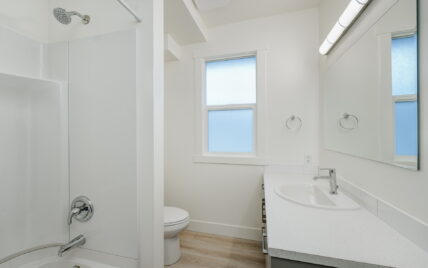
(175, 216)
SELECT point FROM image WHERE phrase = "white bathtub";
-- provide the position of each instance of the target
(55, 262)
(47, 258)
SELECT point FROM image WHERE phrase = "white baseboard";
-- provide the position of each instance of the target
(230, 230)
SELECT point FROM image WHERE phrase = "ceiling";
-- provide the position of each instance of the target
(239, 10)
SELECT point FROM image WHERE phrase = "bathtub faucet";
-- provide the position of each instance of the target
(78, 241)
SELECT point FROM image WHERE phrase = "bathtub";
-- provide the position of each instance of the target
(47, 258)
(55, 262)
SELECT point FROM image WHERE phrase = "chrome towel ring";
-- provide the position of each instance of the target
(294, 123)
(347, 117)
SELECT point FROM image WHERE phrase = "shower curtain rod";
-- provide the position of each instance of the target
(129, 10)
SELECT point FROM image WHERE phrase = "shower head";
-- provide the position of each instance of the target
(64, 16)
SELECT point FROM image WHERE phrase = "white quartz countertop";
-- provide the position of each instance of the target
(338, 238)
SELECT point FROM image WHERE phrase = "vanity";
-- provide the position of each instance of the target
(306, 226)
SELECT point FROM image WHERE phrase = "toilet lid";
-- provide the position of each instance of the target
(174, 216)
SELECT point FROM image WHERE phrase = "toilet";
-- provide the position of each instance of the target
(175, 221)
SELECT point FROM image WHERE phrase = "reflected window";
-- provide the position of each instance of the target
(404, 65)
(405, 92)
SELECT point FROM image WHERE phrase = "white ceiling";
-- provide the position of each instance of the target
(239, 10)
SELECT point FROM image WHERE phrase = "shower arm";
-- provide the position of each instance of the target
(76, 14)
(130, 10)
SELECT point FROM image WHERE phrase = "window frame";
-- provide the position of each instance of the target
(201, 153)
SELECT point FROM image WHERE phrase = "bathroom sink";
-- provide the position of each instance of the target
(312, 195)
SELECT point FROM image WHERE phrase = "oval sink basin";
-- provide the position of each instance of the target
(312, 195)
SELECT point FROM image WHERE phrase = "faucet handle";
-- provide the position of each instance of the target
(81, 209)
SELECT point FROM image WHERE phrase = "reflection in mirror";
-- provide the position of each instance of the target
(371, 92)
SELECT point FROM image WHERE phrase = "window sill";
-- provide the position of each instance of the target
(230, 160)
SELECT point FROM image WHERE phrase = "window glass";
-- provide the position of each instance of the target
(404, 65)
(406, 128)
(230, 131)
(231, 81)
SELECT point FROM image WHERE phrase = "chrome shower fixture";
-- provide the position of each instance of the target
(64, 16)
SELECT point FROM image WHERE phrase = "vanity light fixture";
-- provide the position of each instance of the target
(351, 13)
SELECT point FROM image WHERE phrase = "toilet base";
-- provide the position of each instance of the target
(172, 251)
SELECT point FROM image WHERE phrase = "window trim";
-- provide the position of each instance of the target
(201, 154)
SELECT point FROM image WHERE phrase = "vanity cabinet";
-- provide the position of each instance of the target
(272, 262)
(282, 263)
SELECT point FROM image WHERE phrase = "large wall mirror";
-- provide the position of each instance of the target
(370, 95)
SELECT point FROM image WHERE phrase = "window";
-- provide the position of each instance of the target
(405, 91)
(229, 126)
(230, 105)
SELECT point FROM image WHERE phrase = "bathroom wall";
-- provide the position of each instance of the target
(27, 17)
(33, 163)
(101, 72)
(19, 54)
(106, 17)
(33, 156)
(116, 124)
(402, 188)
(226, 199)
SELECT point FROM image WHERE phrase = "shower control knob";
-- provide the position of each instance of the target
(81, 209)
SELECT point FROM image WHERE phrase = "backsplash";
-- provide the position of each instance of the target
(413, 229)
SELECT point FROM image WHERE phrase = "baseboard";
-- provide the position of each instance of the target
(230, 230)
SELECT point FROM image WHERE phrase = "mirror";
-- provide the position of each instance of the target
(371, 92)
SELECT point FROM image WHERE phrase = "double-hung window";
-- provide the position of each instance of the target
(230, 104)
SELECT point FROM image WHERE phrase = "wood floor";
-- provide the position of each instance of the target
(211, 251)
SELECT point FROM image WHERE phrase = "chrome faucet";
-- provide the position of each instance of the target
(81, 209)
(73, 213)
(76, 242)
(331, 177)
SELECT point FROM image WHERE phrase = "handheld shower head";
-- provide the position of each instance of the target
(64, 16)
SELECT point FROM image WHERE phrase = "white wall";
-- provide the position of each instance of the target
(28, 17)
(33, 158)
(105, 68)
(402, 188)
(103, 139)
(226, 199)
(33, 163)
(102, 125)
(19, 54)
(106, 17)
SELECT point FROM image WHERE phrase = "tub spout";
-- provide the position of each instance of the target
(76, 242)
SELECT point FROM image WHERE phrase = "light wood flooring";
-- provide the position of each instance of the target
(211, 251)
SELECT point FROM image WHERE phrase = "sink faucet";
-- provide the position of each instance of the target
(332, 177)
(76, 242)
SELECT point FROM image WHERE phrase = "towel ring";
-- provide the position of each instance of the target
(346, 117)
(292, 119)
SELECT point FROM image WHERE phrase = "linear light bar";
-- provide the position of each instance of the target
(351, 13)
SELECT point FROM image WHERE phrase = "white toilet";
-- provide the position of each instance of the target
(175, 221)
